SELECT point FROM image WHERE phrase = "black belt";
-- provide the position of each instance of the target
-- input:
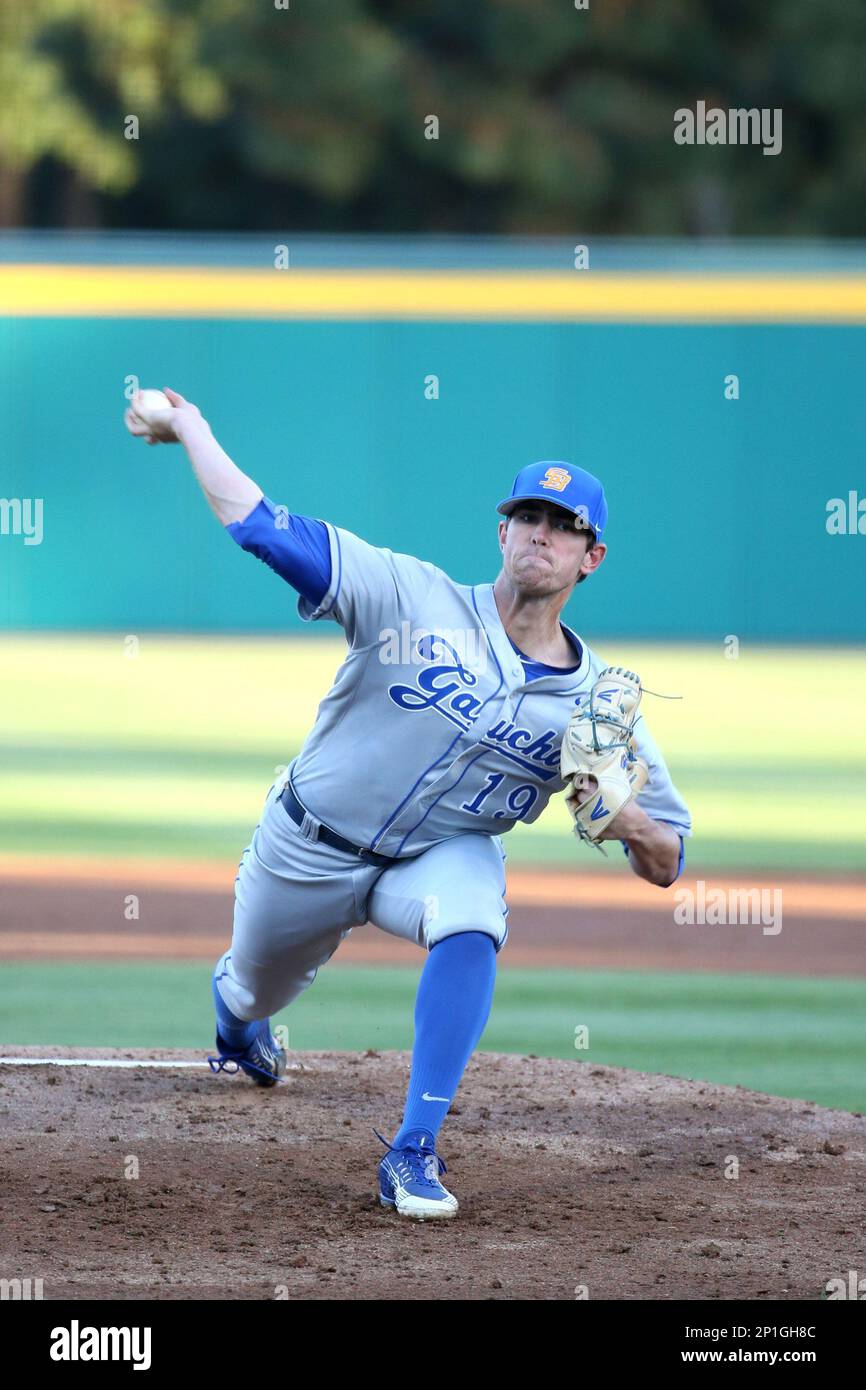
(297, 811)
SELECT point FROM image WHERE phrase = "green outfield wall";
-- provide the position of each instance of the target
(718, 505)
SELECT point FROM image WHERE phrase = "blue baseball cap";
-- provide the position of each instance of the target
(568, 487)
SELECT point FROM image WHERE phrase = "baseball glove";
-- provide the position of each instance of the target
(598, 743)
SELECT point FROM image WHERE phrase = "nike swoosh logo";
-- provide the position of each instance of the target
(429, 1097)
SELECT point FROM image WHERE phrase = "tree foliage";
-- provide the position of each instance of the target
(317, 116)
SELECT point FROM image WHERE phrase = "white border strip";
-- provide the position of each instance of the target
(89, 1062)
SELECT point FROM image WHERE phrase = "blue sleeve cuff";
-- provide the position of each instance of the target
(294, 547)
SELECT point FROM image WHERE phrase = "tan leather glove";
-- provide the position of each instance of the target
(598, 744)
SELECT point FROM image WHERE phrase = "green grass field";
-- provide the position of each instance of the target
(790, 1037)
(171, 751)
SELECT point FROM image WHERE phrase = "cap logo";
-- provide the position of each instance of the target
(557, 479)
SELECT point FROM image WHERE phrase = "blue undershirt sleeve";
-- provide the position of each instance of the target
(295, 547)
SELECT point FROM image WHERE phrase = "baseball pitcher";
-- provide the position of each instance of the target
(459, 710)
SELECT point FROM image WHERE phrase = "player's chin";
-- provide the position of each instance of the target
(534, 582)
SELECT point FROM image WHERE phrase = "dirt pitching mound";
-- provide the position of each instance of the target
(573, 1180)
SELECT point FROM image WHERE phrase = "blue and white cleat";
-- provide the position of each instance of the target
(409, 1180)
(262, 1059)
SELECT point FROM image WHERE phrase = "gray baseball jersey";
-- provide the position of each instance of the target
(432, 727)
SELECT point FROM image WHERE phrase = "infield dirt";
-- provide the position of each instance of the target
(570, 1177)
(72, 911)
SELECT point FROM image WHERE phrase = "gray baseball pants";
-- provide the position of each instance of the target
(296, 899)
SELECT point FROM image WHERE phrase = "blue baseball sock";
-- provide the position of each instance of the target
(452, 1006)
(233, 1030)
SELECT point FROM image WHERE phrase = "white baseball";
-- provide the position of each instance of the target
(149, 404)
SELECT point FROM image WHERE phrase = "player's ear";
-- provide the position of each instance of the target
(593, 558)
